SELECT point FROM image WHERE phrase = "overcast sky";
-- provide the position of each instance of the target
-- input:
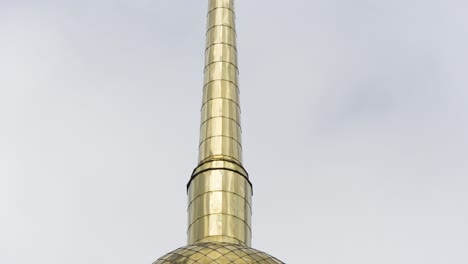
(354, 128)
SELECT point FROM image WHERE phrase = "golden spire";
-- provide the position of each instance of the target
(219, 189)
(220, 133)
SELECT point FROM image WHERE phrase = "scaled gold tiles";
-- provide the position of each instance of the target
(217, 253)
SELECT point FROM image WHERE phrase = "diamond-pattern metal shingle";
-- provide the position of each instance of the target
(217, 253)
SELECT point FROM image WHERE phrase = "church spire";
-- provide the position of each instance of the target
(220, 132)
(219, 189)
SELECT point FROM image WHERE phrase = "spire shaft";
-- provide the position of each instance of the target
(220, 132)
(219, 189)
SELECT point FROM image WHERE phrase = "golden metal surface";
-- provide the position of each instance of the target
(221, 35)
(219, 163)
(221, 89)
(221, 52)
(224, 17)
(213, 4)
(220, 225)
(220, 180)
(220, 206)
(217, 253)
(220, 126)
(220, 131)
(220, 202)
(219, 190)
(220, 146)
(221, 71)
(221, 107)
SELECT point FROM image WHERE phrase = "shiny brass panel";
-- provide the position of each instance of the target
(220, 146)
(221, 17)
(221, 34)
(219, 225)
(220, 203)
(221, 52)
(221, 89)
(220, 107)
(220, 126)
(219, 191)
(220, 131)
(221, 71)
(220, 180)
(223, 239)
(212, 4)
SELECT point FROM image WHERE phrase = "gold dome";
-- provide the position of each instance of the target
(217, 253)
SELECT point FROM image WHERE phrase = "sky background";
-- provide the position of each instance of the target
(354, 128)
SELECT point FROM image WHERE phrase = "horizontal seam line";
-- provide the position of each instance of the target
(228, 62)
(221, 43)
(224, 160)
(198, 196)
(221, 117)
(221, 25)
(221, 7)
(238, 161)
(221, 73)
(237, 86)
(248, 226)
(237, 141)
(241, 243)
(216, 98)
(208, 83)
(245, 176)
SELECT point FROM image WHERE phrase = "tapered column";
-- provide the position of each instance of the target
(219, 189)
(220, 132)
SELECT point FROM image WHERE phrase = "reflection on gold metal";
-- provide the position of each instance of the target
(219, 190)
(217, 253)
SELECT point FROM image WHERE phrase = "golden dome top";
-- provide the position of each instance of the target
(217, 253)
